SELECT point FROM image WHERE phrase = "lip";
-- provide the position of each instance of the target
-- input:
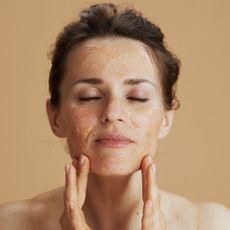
(113, 140)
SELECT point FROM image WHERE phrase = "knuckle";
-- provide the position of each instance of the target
(70, 204)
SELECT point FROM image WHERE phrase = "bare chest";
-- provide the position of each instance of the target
(179, 222)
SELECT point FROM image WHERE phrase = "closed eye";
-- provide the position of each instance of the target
(88, 98)
(138, 99)
(97, 98)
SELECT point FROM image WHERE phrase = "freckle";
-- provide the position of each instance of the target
(137, 213)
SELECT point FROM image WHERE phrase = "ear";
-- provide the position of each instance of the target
(54, 119)
(166, 124)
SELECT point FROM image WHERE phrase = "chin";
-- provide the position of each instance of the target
(114, 167)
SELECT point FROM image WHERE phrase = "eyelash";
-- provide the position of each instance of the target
(96, 98)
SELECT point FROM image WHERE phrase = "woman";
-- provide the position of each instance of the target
(112, 96)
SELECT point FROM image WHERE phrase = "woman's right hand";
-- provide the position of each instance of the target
(76, 178)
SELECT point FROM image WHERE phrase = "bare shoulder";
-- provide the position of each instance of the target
(39, 212)
(180, 212)
(16, 215)
(214, 216)
(187, 214)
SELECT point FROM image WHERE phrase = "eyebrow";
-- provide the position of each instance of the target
(98, 81)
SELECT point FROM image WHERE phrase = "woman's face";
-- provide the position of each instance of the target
(115, 107)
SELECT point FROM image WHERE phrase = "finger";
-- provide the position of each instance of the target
(152, 188)
(147, 221)
(152, 215)
(71, 197)
(144, 184)
(70, 194)
(83, 170)
(153, 218)
(147, 160)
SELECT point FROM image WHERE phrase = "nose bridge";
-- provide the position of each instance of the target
(113, 109)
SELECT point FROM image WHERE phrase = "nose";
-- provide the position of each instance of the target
(113, 112)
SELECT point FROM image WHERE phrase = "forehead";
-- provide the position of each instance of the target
(110, 55)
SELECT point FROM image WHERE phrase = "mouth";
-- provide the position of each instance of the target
(113, 140)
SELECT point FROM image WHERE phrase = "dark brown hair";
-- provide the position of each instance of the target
(107, 19)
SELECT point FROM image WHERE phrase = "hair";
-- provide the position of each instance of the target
(107, 19)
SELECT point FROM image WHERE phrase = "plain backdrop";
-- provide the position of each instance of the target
(193, 161)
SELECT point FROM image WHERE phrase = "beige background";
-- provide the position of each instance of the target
(193, 161)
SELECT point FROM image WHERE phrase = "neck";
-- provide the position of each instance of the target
(122, 195)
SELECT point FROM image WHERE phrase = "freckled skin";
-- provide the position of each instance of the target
(114, 182)
(112, 60)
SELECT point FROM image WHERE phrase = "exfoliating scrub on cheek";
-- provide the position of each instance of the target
(81, 124)
(147, 124)
(132, 109)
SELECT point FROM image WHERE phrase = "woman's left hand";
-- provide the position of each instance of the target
(153, 218)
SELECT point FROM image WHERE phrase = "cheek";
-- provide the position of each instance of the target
(147, 125)
(80, 125)
(147, 120)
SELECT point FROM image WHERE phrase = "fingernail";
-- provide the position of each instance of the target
(154, 168)
(82, 159)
